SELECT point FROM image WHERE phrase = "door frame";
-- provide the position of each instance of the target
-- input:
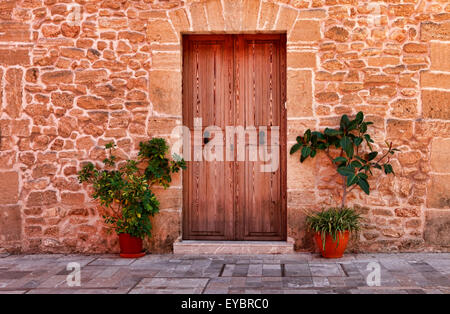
(283, 122)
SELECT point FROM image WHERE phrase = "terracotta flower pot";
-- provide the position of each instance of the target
(332, 248)
(130, 247)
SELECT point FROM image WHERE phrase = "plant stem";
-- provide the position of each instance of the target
(327, 152)
(351, 188)
(384, 156)
(344, 194)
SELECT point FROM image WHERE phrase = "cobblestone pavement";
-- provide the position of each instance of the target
(294, 273)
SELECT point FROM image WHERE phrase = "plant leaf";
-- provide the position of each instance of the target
(345, 171)
(306, 151)
(352, 179)
(295, 148)
(332, 132)
(356, 164)
(360, 117)
(364, 185)
(347, 146)
(388, 169)
(340, 159)
(372, 155)
(308, 135)
(345, 121)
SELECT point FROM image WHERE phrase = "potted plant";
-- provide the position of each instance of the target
(350, 150)
(332, 229)
(124, 189)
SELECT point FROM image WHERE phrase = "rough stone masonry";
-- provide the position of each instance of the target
(77, 74)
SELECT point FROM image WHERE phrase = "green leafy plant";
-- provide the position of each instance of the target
(126, 189)
(355, 157)
(333, 221)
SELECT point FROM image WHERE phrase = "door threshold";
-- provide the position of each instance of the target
(232, 247)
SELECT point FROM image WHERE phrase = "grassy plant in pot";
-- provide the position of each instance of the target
(124, 191)
(351, 150)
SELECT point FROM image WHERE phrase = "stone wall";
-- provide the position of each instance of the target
(69, 85)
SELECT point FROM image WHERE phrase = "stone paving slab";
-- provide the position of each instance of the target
(418, 273)
(171, 286)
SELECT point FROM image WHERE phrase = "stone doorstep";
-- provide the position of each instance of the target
(232, 247)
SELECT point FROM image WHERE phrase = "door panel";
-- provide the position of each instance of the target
(207, 79)
(235, 80)
(261, 209)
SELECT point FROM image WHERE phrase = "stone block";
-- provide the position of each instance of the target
(180, 20)
(337, 33)
(165, 92)
(170, 198)
(14, 57)
(57, 77)
(42, 198)
(436, 104)
(301, 59)
(161, 126)
(437, 228)
(91, 76)
(10, 223)
(250, 14)
(440, 155)
(286, 18)
(438, 195)
(434, 80)
(305, 30)
(415, 48)
(166, 61)
(72, 199)
(166, 229)
(300, 176)
(198, 16)
(298, 127)
(268, 15)
(9, 187)
(13, 92)
(434, 31)
(439, 56)
(404, 108)
(14, 31)
(215, 17)
(399, 130)
(91, 102)
(161, 31)
(232, 12)
(299, 91)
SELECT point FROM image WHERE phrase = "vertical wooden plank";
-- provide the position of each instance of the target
(185, 112)
(283, 134)
(229, 119)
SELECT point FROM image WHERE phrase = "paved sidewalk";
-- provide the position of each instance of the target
(294, 273)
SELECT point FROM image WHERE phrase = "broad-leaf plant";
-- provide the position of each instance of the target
(126, 188)
(354, 163)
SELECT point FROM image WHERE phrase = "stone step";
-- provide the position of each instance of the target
(232, 247)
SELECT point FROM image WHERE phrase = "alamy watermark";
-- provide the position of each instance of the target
(73, 279)
(74, 17)
(373, 279)
(234, 143)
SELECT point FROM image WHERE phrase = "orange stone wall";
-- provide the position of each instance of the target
(70, 85)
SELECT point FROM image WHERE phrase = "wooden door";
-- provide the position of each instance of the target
(235, 80)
